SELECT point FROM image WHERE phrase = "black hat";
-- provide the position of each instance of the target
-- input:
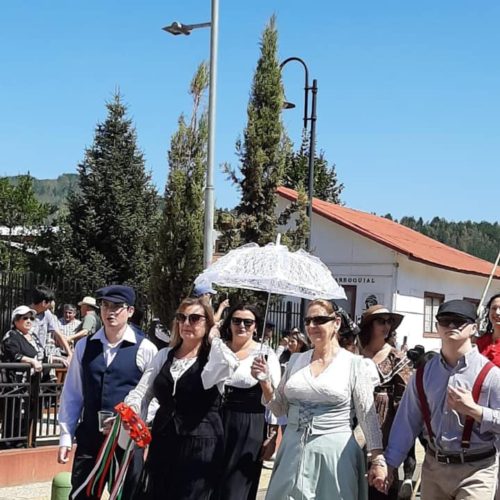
(117, 294)
(270, 324)
(460, 308)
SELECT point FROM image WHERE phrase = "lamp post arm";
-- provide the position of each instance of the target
(306, 85)
(195, 26)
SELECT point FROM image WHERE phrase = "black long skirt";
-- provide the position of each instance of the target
(243, 437)
(181, 467)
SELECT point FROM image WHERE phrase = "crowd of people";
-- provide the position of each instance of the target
(349, 404)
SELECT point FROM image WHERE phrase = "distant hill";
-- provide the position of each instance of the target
(52, 191)
(481, 239)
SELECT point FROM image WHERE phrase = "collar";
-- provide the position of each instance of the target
(129, 336)
(462, 363)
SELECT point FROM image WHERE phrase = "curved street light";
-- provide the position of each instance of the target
(312, 137)
(177, 28)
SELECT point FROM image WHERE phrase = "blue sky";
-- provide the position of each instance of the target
(408, 101)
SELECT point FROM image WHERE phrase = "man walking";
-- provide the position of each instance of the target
(105, 367)
(455, 399)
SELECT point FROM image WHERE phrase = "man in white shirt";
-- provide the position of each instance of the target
(104, 369)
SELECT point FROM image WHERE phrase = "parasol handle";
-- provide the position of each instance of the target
(480, 306)
(264, 322)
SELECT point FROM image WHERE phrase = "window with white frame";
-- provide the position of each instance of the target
(432, 301)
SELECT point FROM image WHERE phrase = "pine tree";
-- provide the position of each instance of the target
(179, 252)
(326, 185)
(261, 150)
(107, 235)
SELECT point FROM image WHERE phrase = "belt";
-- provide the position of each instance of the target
(460, 458)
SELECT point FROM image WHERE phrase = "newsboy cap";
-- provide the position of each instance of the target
(460, 308)
(117, 294)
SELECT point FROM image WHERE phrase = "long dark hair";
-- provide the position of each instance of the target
(225, 330)
(489, 326)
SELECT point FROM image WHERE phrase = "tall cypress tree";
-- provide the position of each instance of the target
(108, 232)
(179, 252)
(261, 151)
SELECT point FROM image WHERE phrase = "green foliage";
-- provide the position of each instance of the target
(261, 150)
(297, 211)
(107, 234)
(179, 250)
(481, 239)
(21, 217)
(326, 186)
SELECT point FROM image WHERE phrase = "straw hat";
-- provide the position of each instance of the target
(372, 312)
(88, 301)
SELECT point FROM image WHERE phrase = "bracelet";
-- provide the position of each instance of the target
(379, 462)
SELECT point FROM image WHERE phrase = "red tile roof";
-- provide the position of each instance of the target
(402, 239)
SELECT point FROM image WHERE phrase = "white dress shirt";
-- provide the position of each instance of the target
(71, 407)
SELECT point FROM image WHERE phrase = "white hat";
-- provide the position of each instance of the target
(89, 301)
(21, 311)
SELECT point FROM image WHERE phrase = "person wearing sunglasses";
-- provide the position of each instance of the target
(187, 378)
(454, 399)
(318, 456)
(20, 345)
(247, 439)
(377, 328)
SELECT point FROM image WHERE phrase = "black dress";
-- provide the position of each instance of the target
(244, 433)
(185, 454)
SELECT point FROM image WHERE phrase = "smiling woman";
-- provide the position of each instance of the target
(318, 456)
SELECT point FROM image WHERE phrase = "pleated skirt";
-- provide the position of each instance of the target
(318, 467)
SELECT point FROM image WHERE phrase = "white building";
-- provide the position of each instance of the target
(373, 257)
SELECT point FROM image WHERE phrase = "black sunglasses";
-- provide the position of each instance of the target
(25, 318)
(192, 318)
(456, 322)
(246, 321)
(384, 321)
(318, 320)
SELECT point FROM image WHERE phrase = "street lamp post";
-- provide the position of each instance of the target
(177, 28)
(312, 134)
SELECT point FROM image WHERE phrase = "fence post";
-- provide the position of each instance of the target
(33, 408)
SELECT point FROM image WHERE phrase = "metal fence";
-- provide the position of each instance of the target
(29, 405)
(285, 314)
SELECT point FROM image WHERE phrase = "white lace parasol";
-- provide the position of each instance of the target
(273, 269)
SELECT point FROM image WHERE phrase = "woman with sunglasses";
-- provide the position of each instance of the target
(318, 456)
(187, 378)
(377, 329)
(19, 345)
(246, 438)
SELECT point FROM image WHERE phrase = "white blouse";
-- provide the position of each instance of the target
(243, 379)
(221, 364)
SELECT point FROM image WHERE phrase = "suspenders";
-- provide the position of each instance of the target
(424, 405)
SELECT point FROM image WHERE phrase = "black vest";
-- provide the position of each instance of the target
(106, 386)
(193, 410)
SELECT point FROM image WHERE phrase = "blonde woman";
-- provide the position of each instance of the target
(318, 456)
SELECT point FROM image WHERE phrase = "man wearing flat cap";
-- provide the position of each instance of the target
(105, 367)
(455, 400)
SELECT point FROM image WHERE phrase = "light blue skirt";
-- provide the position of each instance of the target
(318, 467)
